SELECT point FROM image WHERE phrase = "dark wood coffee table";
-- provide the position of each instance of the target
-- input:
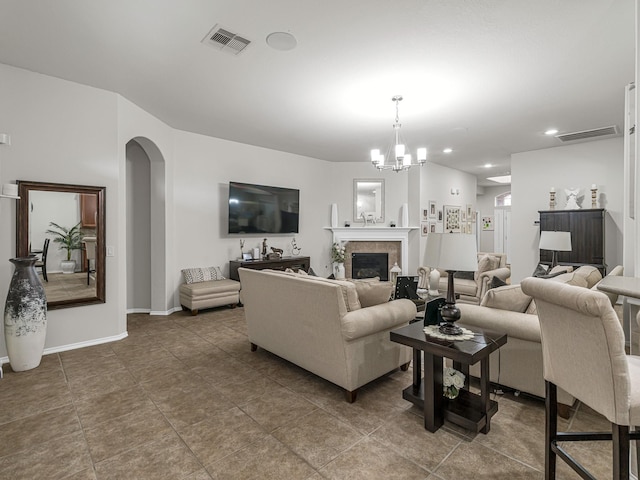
(469, 410)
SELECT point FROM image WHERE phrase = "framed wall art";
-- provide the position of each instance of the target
(424, 228)
(432, 209)
(451, 219)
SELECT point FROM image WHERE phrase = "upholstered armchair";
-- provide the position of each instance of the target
(471, 286)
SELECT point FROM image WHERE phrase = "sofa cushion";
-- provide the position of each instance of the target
(195, 275)
(349, 292)
(571, 279)
(486, 263)
(509, 297)
(372, 291)
(590, 273)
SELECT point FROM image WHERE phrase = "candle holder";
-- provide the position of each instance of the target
(552, 200)
(594, 197)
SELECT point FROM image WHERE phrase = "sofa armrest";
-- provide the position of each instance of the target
(485, 278)
(369, 320)
(515, 324)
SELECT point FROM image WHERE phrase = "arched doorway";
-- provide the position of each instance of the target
(146, 233)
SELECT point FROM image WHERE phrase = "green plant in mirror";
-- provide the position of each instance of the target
(69, 239)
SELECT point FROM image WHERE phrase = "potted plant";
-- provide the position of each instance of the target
(69, 239)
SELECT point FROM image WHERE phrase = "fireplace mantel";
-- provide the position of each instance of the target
(377, 234)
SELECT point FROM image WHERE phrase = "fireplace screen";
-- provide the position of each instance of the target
(369, 265)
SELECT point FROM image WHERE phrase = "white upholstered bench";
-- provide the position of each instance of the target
(207, 288)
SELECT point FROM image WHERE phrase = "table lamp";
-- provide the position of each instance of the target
(556, 242)
(453, 252)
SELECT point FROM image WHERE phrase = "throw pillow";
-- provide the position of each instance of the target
(486, 263)
(373, 292)
(497, 282)
(509, 297)
(552, 275)
(195, 275)
(540, 270)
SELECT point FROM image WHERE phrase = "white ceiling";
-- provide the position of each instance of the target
(484, 77)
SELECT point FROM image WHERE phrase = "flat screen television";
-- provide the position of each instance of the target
(263, 209)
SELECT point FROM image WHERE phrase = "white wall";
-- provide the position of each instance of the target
(138, 219)
(571, 166)
(436, 183)
(486, 205)
(61, 132)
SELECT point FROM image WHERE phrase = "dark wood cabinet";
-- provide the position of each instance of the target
(88, 210)
(587, 236)
(294, 263)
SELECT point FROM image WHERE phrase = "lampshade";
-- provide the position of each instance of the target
(451, 251)
(555, 241)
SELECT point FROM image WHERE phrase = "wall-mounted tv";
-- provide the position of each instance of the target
(263, 209)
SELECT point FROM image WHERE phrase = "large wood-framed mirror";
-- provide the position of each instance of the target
(42, 208)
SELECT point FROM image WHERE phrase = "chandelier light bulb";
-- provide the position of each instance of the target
(422, 154)
(399, 151)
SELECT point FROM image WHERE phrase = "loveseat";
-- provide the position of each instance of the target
(471, 286)
(335, 329)
(518, 364)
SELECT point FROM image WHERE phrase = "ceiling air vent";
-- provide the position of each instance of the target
(588, 134)
(225, 40)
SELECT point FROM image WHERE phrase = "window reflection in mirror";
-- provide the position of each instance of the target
(368, 200)
(63, 225)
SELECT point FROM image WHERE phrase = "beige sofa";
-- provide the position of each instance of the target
(321, 325)
(471, 290)
(518, 364)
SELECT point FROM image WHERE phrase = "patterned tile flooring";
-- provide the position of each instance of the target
(184, 398)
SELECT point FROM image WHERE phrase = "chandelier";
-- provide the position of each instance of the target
(397, 158)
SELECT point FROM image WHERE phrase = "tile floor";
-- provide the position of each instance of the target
(184, 398)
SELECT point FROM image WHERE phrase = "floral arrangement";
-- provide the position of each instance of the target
(452, 382)
(337, 253)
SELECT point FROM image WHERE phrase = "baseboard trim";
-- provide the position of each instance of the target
(138, 310)
(75, 346)
(154, 312)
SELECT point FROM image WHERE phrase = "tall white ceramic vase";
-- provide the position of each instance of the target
(334, 215)
(339, 271)
(25, 316)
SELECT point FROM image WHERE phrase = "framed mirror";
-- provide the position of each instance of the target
(63, 225)
(368, 200)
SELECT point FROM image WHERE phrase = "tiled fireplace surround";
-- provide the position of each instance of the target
(393, 241)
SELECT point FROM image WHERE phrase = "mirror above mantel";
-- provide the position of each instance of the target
(368, 201)
(67, 206)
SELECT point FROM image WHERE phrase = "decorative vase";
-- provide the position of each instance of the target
(68, 266)
(339, 271)
(434, 282)
(334, 215)
(25, 316)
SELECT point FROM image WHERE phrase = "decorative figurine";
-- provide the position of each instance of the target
(264, 248)
(552, 199)
(572, 198)
(241, 247)
(295, 250)
(594, 196)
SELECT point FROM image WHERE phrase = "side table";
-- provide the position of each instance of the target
(469, 410)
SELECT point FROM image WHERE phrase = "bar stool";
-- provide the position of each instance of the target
(583, 353)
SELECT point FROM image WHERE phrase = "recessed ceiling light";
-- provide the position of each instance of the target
(281, 41)
(551, 131)
(487, 165)
(501, 179)
(447, 150)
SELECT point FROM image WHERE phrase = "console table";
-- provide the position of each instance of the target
(294, 263)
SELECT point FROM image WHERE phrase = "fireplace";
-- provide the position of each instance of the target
(369, 265)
